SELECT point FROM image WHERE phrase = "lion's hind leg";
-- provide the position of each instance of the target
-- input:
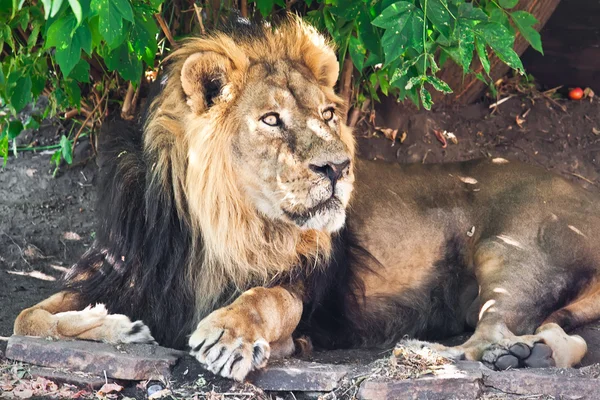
(61, 316)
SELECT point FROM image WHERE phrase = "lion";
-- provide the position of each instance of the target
(236, 218)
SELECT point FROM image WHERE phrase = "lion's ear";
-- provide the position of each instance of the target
(203, 76)
(320, 57)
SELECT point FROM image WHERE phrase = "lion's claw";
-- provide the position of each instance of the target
(227, 353)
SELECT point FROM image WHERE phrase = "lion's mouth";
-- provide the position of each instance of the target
(301, 218)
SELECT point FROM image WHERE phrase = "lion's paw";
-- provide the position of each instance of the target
(126, 331)
(511, 354)
(94, 323)
(229, 351)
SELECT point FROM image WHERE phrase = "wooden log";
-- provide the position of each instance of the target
(468, 89)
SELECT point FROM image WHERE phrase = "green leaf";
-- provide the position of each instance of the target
(501, 40)
(33, 36)
(65, 149)
(55, 7)
(55, 159)
(346, 9)
(265, 7)
(73, 92)
(60, 32)
(508, 3)
(124, 60)
(408, 32)
(4, 148)
(483, 57)
(439, 84)
(76, 7)
(47, 7)
(438, 14)
(367, 32)
(465, 37)
(20, 94)
(31, 123)
(143, 37)
(357, 53)
(524, 22)
(7, 34)
(425, 98)
(15, 127)
(111, 14)
(413, 82)
(81, 71)
(389, 17)
(467, 11)
(68, 52)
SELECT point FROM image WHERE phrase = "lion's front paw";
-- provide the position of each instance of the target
(228, 348)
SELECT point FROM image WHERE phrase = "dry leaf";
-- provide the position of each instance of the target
(587, 92)
(71, 236)
(109, 388)
(441, 137)
(160, 394)
(33, 253)
(468, 179)
(389, 133)
(520, 121)
(451, 137)
(595, 131)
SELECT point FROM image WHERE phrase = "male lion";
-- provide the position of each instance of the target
(228, 211)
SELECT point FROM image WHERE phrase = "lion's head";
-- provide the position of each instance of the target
(254, 137)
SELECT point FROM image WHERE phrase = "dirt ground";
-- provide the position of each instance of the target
(47, 222)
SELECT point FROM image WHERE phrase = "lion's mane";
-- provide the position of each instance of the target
(176, 237)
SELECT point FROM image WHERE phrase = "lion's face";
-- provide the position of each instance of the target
(267, 106)
(289, 149)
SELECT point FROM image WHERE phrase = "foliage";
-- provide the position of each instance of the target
(75, 51)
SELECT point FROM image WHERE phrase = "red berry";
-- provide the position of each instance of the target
(576, 93)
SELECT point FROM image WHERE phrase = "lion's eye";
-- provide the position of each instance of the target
(328, 114)
(271, 119)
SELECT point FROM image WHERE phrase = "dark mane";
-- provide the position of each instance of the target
(137, 264)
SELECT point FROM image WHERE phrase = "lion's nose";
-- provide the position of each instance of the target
(333, 171)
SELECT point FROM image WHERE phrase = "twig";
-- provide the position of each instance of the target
(199, 15)
(18, 247)
(243, 8)
(165, 29)
(582, 177)
(70, 114)
(126, 109)
(346, 81)
(86, 121)
(353, 117)
(496, 104)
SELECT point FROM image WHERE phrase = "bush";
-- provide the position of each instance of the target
(89, 54)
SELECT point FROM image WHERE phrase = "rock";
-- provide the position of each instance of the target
(298, 375)
(460, 381)
(424, 388)
(560, 384)
(79, 379)
(128, 362)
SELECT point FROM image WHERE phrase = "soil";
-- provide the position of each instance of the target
(47, 222)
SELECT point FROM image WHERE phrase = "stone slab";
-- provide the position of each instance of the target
(127, 362)
(298, 375)
(79, 379)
